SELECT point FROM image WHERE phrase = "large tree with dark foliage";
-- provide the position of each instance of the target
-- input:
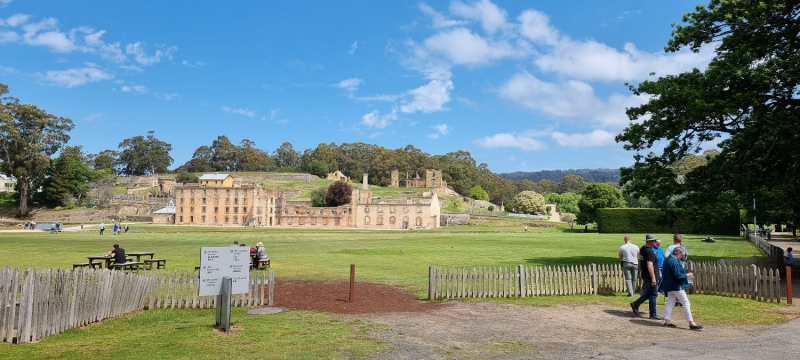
(748, 98)
(28, 137)
(338, 193)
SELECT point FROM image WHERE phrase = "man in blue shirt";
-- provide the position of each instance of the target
(649, 268)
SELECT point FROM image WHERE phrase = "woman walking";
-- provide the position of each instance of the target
(675, 280)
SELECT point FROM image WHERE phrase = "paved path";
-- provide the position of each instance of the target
(779, 342)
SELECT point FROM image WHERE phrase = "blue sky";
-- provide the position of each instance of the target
(522, 85)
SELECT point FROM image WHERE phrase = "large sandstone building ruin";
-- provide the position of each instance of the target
(433, 179)
(253, 205)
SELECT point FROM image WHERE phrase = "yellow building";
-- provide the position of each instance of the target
(338, 176)
(216, 180)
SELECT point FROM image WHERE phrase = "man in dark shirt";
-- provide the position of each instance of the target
(650, 278)
(118, 254)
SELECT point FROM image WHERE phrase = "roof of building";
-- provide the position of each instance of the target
(166, 210)
(214, 176)
(7, 178)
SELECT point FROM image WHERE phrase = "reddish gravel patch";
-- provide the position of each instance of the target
(331, 296)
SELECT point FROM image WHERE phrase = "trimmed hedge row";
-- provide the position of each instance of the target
(659, 221)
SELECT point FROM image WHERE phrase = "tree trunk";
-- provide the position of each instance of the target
(23, 197)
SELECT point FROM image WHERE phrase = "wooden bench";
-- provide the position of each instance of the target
(86, 264)
(131, 266)
(160, 263)
(262, 264)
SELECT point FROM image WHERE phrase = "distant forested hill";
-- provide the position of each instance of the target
(589, 175)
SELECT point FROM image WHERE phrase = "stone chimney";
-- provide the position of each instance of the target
(364, 184)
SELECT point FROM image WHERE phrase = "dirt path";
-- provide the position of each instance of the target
(500, 331)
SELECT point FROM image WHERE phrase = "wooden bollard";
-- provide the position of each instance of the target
(789, 285)
(352, 281)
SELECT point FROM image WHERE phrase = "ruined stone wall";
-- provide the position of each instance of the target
(395, 179)
(292, 177)
(164, 219)
(306, 216)
(454, 219)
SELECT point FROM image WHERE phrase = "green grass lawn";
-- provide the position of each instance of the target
(399, 258)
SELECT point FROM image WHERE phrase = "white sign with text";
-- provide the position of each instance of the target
(218, 262)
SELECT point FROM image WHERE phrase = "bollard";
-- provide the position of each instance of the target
(789, 285)
(352, 281)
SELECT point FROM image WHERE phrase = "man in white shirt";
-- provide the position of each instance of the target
(629, 257)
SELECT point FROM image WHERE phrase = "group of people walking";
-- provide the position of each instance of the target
(30, 225)
(661, 272)
(117, 228)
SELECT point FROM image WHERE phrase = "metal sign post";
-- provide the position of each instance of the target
(224, 271)
(224, 305)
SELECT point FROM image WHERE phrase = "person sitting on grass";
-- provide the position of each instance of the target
(674, 283)
(118, 254)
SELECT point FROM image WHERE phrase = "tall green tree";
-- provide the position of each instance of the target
(566, 202)
(598, 196)
(286, 157)
(144, 155)
(28, 137)
(70, 176)
(478, 193)
(571, 183)
(747, 96)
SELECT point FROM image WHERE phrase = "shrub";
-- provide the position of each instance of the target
(490, 208)
(529, 202)
(338, 194)
(659, 221)
(318, 197)
(71, 206)
(58, 208)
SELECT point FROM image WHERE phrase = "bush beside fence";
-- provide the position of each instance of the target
(630, 220)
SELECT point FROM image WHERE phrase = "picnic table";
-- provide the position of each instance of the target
(107, 260)
(139, 254)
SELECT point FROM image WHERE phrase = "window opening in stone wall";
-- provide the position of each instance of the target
(244, 210)
(203, 219)
(392, 220)
(227, 210)
(191, 209)
(191, 219)
(366, 220)
(216, 210)
(418, 221)
(235, 219)
(235, 209)
(235, 201)
(379, 221)
(227, 219)
(204, 201)
(203, 209)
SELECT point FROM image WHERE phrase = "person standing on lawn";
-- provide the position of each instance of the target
(675, 281)
(102, 228)
(649, 278)
(628, 256)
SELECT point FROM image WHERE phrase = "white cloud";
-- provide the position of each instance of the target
(375, 119)
(244, 111)
(593, 60)
(168, 96)
(429, 98)
(438, 20)
(45, 33)
(192, 64)
(353, 48)
(76, 76)
(568, 99)
(94, 116)
(134, 88)
(377, 97)
(492, 18)
(507, 140)
(350, 84)
(7, 69)
(137, 50)
(441, 129)
(462, 46)
(8, 36)
(593, 139)
(17, 19)
(277, 117)
(4, 3)
(133, 68)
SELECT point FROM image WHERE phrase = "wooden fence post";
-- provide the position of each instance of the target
(594, 278)
(431, 291)
(522, 290)
(789, 285)
(271, 286)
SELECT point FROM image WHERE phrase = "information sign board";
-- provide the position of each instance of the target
(218, 262)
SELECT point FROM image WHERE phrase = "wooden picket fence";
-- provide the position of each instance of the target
(36, 303)
(765, 246)
(750, 282)
(180, 289)
(718, 278)
(521, 280)
(767, 262)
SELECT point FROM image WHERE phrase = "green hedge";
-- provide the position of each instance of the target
(640, 221)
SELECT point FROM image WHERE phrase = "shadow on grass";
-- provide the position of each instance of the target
(572, 260)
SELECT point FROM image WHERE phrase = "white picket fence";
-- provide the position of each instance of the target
(750, 282)
(521, 280)
(719, 278)
(36, 303)
(180, 289)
